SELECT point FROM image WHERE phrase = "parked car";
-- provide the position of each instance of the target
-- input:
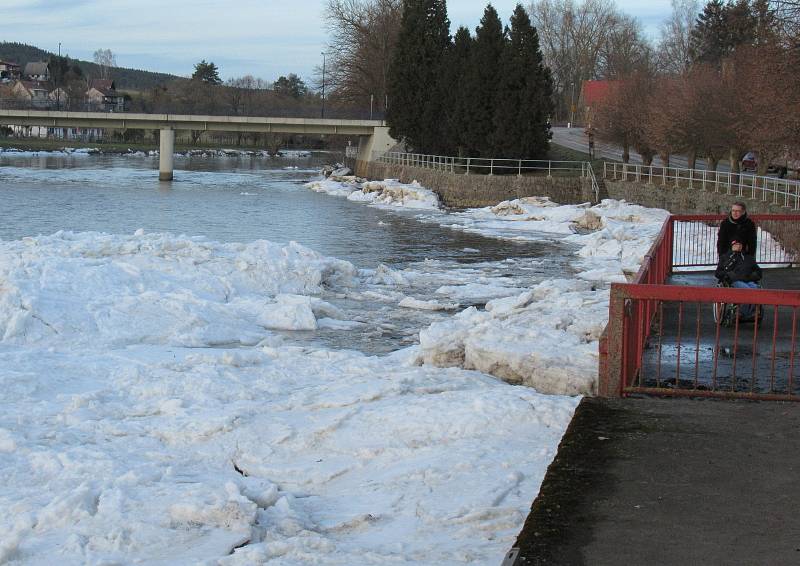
(780, 167)
(749, 161)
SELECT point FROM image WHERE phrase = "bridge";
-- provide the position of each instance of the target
(373, 135)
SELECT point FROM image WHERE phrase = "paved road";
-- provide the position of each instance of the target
(574, 138)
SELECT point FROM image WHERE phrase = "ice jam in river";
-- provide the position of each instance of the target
(157, 408)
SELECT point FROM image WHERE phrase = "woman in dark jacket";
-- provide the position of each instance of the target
(737, 226)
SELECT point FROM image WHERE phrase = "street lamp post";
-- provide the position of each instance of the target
(323, 84)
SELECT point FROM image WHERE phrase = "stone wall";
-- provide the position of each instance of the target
(465, 191)
(682, 200)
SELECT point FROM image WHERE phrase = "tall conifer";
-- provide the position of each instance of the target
(524, 97)
(453, 93)
(414, 112)
(481, 83)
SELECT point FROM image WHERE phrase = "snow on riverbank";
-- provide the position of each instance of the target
(546, 337)
(151, 415)
(389, 192)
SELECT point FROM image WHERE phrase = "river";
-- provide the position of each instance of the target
(242, 199)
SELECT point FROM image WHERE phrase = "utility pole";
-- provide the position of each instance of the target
(58, 87)
(323, 84)
(572, 105)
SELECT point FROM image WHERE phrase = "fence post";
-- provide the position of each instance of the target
(691, 178)
(491, 166)
(612, 379)
(519, 173)
(549, 166)
(468, 160)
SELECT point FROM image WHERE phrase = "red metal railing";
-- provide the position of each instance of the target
(665, 339)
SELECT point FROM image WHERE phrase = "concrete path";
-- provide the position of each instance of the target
(670, 482)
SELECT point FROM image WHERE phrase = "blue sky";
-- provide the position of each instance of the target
(264, 38)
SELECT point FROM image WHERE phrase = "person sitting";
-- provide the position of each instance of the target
(739, 270)
(737, 226)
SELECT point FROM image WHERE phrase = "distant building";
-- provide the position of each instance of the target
(592, 94)
(9, 71)
(34, 93)
(103, 96)
(59, 98)
(37, 72)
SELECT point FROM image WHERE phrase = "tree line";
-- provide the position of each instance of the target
(738, 90)
(487, 95)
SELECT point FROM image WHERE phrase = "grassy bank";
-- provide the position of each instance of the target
(561, 153)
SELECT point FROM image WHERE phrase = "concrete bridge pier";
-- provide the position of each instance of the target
(370, 146)
(165, 154)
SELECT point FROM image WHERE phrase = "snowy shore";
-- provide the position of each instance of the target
(546, 337)
(152, 414)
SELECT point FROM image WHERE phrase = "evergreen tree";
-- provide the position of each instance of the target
(453, 93)
(481, 84)
(721, 28)
(290, 86)
(414, 112)
(709, 38)
(524, 98)
(207, 73)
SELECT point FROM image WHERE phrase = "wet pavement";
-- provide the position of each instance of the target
(670, 481)
(688, 350)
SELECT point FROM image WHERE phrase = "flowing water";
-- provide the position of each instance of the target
(241, 199)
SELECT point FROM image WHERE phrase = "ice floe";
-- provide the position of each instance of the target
(151, 415)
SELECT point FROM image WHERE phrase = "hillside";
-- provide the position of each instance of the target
(126, 79)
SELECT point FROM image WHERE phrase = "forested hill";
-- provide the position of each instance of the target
(125, 79)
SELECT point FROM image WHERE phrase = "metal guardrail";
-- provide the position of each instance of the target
(490, 166)
(664, 339)
(784, 192)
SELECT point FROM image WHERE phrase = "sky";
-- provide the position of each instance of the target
(263, 38)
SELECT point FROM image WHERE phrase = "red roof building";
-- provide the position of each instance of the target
(592, 93)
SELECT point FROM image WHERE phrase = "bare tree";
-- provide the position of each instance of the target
(573, 37)
(623, 117)
(363, 34)
(106, 60)
(787, 16)
(674, 54)
(625, 50)
(769, 126)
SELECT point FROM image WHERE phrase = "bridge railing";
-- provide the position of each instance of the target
(484, 165)
(783, 192)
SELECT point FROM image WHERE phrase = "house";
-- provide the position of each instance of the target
(37, 72)
(592, 93)
(31, 92)
(9, 71)
(103, 96)
(59, 98)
